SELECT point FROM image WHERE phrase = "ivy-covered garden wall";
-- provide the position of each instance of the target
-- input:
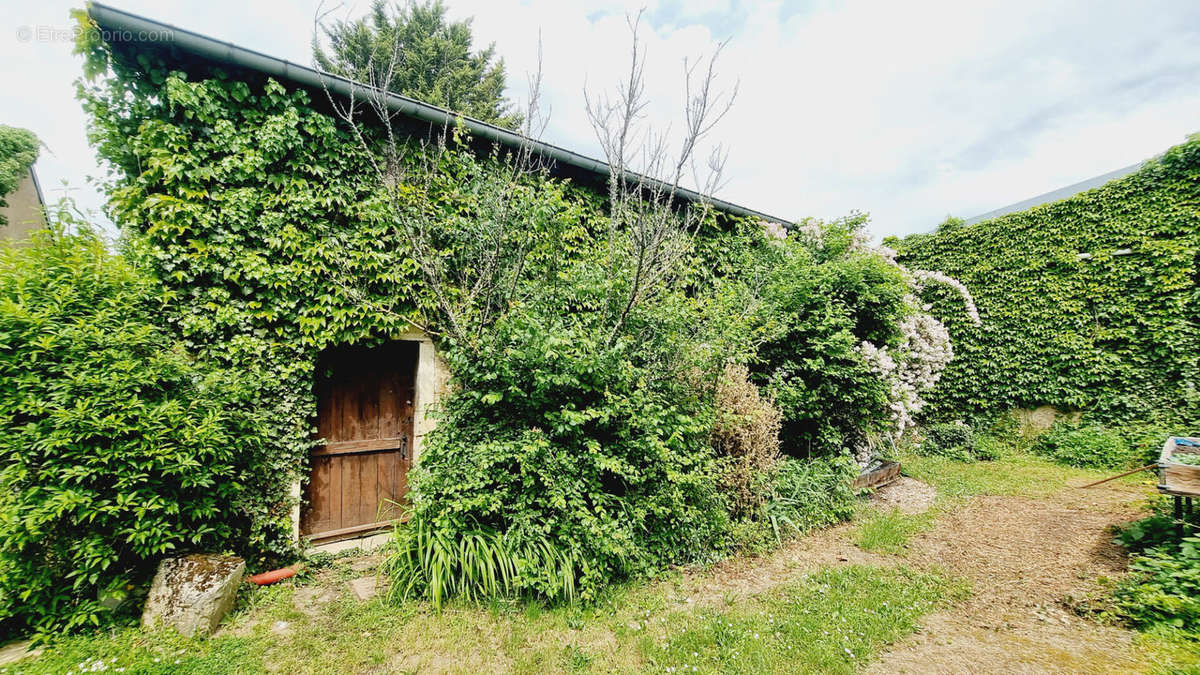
(1110, 333)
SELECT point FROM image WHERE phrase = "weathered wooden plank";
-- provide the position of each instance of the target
(359, 446)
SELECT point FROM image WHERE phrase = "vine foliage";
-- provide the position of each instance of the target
(1113, 332)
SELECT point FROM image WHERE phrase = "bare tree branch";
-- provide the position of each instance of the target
(649, 232)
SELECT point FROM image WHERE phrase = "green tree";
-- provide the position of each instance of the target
(430, 58)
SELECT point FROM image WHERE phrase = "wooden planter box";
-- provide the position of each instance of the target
(877, 477)
(1175, 478)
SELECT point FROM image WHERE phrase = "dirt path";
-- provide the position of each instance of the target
(1023, 557)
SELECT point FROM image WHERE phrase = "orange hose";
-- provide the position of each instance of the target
(273, 576)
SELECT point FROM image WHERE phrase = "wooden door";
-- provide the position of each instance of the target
(365, 403)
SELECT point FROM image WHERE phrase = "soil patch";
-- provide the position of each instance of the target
(907, 495)
(744, 576)
(1023, 557)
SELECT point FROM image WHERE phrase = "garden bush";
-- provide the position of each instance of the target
(1155, 530)
(1086, 445)
(822, 300)
(949, 439)
(745, 435)
(1163, 587)
(552, 436)
(117, 448)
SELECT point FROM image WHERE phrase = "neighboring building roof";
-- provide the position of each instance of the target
(218, 51)
(1057, 195)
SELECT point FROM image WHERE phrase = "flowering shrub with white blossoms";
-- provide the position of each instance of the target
(924, 277)
(912, 362)
(916, 364)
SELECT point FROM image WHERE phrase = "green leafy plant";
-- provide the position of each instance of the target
(989, 448)
(807, 494)
(823, 298)
(118, 447)
(955, 440)
(553, 437)
(1083, 444)
(473, 564)
(1155, 530)
(1164, 587)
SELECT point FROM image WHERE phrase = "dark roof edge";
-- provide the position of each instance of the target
(226, 52)
(1059, 194)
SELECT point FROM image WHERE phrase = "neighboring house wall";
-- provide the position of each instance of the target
(24, 211)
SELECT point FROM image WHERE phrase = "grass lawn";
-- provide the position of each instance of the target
(833, 620)
(889, 531)
(1014, 475)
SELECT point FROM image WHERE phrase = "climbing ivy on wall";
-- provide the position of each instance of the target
(18, 151)
(258, 211)
(1112, 334)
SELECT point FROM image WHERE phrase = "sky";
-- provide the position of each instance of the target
(909, 111)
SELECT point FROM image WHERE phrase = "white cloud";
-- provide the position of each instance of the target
(908, 110)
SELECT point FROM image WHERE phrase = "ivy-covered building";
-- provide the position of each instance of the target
(246, 190)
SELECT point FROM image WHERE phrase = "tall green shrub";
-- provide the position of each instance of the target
(823, 298)
(116, 447)
(552, 436)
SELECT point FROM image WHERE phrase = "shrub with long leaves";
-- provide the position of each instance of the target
(808, 494)
(475, 564)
